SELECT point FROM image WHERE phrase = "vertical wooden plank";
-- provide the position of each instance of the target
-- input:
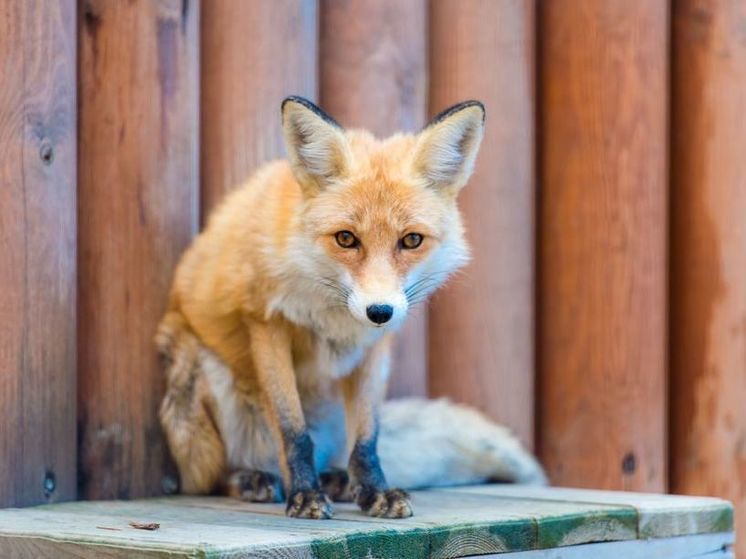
(602, 325)
(373, 74)
(254, 54)
(708, 252)
(481, 326)
(37, 251)
(137, 211)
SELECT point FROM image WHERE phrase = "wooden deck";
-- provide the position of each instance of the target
(521, 522)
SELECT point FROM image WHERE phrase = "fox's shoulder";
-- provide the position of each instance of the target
(244, 230)
(272, 183)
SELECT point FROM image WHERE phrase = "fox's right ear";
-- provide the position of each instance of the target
(317, 146)
(447, 148)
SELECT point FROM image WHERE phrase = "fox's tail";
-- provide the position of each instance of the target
(430, 443)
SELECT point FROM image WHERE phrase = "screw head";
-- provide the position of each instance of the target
(46, 152)
(49, 484)
(629, 463)
(169, 485)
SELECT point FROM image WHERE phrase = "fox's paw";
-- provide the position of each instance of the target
(336, 484)
(388, 503)
(255, 486)
(309, 503)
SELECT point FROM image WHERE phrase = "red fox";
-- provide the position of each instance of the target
(278, 334)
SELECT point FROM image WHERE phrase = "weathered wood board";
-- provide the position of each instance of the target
(707, 546)
(137, 211)
(448, 523)
(707, 301)
(659, 516)
(37, 251)
(601, 317)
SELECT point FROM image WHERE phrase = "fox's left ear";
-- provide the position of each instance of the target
(447, 148)
(317, 146)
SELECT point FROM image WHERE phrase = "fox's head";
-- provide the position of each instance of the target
(379, 218)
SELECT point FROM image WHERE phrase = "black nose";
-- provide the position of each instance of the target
(379, 313)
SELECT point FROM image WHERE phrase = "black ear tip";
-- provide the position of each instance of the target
(458, 107)
(476, 103)
(315, 109)
(296, 99)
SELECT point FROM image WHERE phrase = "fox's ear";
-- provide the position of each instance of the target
(447, 148)
(317, 146)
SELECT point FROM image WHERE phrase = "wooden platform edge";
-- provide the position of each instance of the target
(700, 546)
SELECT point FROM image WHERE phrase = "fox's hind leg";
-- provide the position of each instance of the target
(254, 485)
(187, 409)
(336, 484)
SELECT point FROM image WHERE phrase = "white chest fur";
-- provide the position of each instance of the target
(329, 361)
(329, 319)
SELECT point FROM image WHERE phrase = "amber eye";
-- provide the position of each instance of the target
(345, 239)
(411, 240)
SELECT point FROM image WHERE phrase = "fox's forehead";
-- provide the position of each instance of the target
(380, 204)
(381, 196)
(390, 157)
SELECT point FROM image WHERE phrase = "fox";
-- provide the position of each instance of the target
(277, 338)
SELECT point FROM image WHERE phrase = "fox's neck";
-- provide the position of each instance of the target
(300, 301)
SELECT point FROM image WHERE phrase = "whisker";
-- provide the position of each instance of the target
(416, 302)
(423, 288)
(432, 277)
(340, 292)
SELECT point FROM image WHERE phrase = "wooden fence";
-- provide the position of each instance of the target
(603, 318)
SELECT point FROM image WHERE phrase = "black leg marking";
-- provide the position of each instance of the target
(365, 466)
(305, 499)
(255, 486)
(336, 484)
(370, 488)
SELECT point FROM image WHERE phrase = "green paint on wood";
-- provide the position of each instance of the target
(477, 539)
(385, 544)
(573, 529)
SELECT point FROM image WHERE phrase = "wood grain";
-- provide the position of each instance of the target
(658, 516)
(602, 289)
(37, 251)
(708, 251)
(481, 326)
(253, 55)
(137, 211)
(373, 75)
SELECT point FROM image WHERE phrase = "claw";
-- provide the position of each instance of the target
(388, 503)
(309, 503)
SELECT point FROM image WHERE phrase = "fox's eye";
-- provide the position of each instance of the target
(411, 240)
(345, 239)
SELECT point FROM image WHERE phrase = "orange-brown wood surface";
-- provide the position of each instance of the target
(137, 211)
(602, 288)
(37, 251)
(373, 72)
(253, 54)
(481, 326)
(708, 253)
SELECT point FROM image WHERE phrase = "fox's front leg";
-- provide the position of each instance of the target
(272, 359)
(363, 392)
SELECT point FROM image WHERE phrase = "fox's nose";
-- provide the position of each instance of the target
(379, 313)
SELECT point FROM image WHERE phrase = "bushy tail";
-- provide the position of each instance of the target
(431, 443)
